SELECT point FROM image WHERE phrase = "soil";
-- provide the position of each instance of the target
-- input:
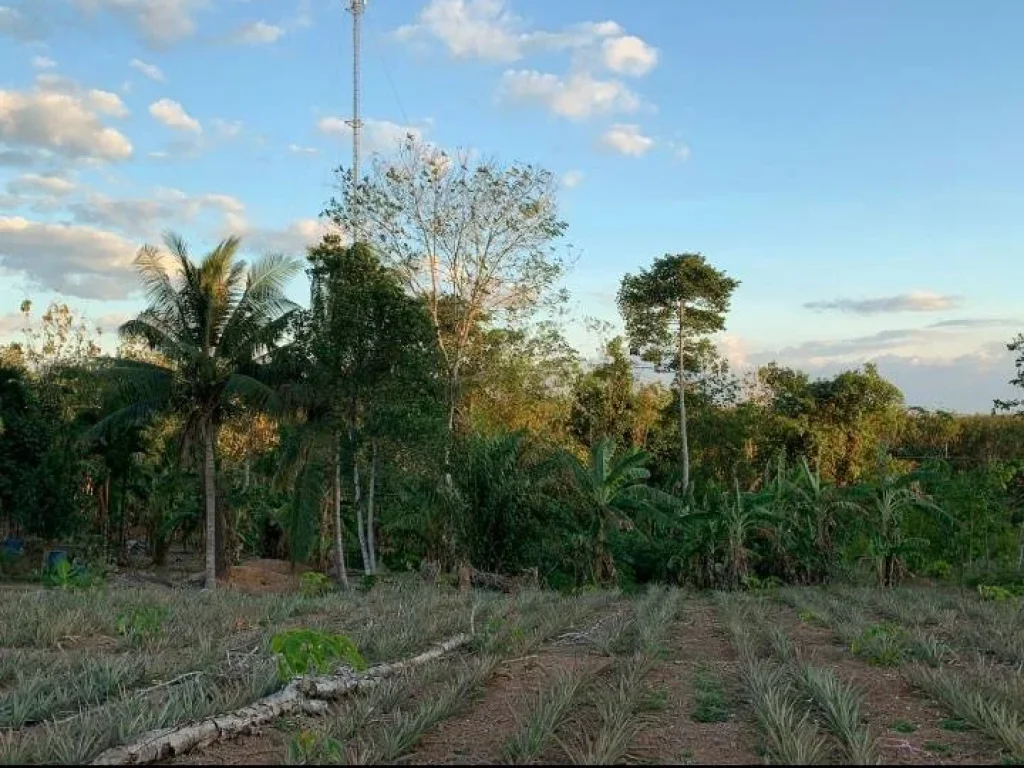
(697, 643)
(476, 737)
(888, 698)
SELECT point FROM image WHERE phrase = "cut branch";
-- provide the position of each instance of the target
(307, 694)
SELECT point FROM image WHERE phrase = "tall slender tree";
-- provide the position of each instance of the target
(213, 323)
(680, 299)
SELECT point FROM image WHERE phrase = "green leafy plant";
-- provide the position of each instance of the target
(997, 594)
(903, 726)
(313, 583)
(882, 644)
(304, 651)
(310, 747)
(143, 623)
(711, 704)
(64, 575)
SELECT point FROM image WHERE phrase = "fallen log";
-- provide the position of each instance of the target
(308, 694)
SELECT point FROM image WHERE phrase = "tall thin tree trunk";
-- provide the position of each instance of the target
(210, 491)
(338, 544)
(357, 496)
(371, 494)
(684, 452)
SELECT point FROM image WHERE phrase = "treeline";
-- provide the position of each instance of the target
(420, 411)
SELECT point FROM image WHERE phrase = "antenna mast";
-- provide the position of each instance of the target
(356, 7)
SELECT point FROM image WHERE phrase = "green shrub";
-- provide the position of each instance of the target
(882, 644)
(998, 594)
(313, 583)
(305, 651)
(143, 623)
(64, 575)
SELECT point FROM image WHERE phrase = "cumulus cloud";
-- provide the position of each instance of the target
(629, 55)
(576, 97)
(227, 129)
(626, 139)
(147, 217)
(174, 116)
(378, 135)
(42, 62)
(160, 22)
(293, 240)
(34, 184)
(915, 301)
(572, 179)
(490, 30)
(79, 261)
(152, 71)
(257, 33)
(59, 117)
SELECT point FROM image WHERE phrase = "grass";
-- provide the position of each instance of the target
(903, 726)
(711, 705)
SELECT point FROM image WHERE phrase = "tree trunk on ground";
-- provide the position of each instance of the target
(370, 498)
(684, 453)
(209, 491)
(338, 544)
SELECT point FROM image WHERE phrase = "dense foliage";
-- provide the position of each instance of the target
(421, 411)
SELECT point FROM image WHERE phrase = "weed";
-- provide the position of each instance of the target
(310, 747)
(937, 747)
(882, 644)
(954, 724)
(313, 584)
(303, 651)
(710, 702)
(903, 726)
(142, 625)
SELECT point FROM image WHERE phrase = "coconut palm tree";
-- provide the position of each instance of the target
(214, 323)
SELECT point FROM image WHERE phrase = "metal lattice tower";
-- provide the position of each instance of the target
(356, 8)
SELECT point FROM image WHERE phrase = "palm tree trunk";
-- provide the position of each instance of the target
(370, 497)
(210, 492)
(684, 451)
(339, 547)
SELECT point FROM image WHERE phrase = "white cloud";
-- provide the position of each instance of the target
(228, 129)
(915, 301)
(147, 217)
(173, 115)
(257, 33)
(161, 22)
(489, 30)
(378, 135)
(576, 97)
(296, 149)
(572, 179)
(482, 29)
(43, 62)
(293, 240)
(58, 117)
(626, 139)
(34, 184)
(629, 55)
(80, 261)
(152, 71)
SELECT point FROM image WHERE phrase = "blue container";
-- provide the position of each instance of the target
(55, 556)
(13, 545)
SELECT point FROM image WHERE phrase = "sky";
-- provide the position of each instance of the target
(857, 164)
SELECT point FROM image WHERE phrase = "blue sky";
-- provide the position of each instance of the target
(864, 158)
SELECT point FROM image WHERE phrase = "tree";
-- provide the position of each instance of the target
(1017, 345)
(370, 345)
(614, 492)
(472, 239)
(213, 323)
(678, 300)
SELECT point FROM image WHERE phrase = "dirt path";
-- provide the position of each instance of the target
(889, 699)
(698, 643)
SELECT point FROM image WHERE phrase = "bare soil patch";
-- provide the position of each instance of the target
(888, 698)
(697, 642)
